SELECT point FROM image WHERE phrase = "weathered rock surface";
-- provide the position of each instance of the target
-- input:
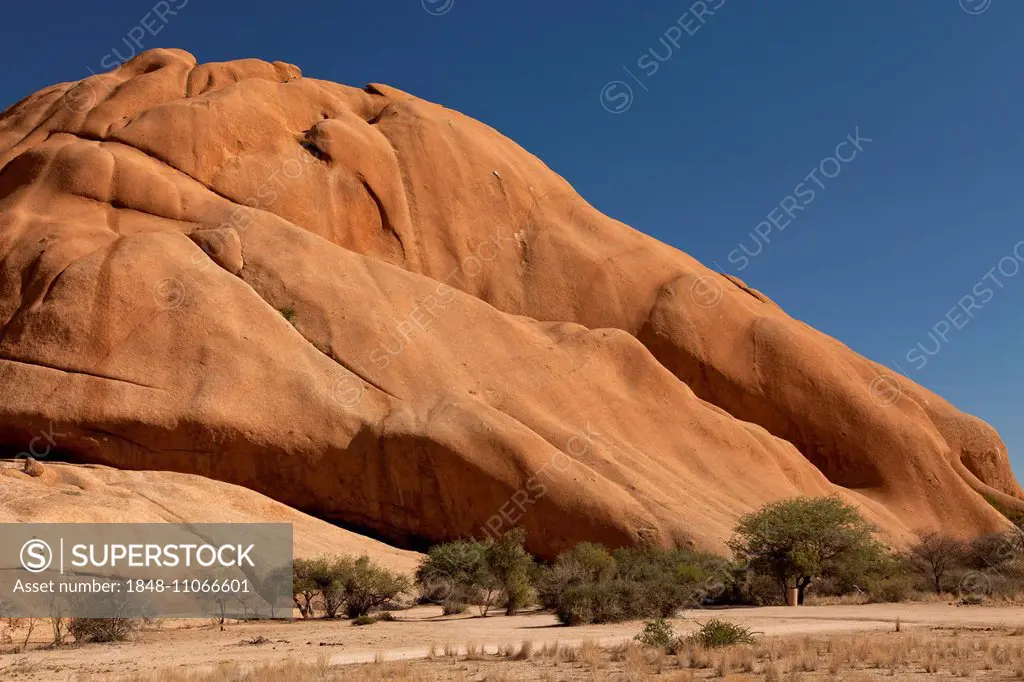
(77, 493)
(384, 313)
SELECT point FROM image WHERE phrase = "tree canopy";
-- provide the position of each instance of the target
(799, 539)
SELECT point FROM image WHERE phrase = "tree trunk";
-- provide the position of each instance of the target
(801, 585)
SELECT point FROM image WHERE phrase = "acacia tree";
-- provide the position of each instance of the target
(304, 587)
(366, 586)
(935, 555)
(801, 538)
(326, 575)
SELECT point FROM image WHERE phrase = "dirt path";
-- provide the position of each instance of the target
(191, 644)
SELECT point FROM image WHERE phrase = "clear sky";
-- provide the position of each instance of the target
(730, 106)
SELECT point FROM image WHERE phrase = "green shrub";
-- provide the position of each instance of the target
(657, 633)
(587, 562)
(598, 602)
(481, 573)
(608, 601)
(589, 584)
(364, 620)
(511, 567)
(745, 587)
(575, 606)
(667, 580)
(880, 577)
(719, 633)
(863, 571)
(457, 573)
(892, 589)
(335, 583)
(449, 566)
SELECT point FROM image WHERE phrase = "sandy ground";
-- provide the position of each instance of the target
(200, 644)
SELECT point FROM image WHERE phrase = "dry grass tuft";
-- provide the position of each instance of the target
(635, 660)
(591, 654)
(724, 664)
(549, 651)
(525, 652)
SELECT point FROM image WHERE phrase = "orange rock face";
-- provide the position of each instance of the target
(383, 313)
(89, 493)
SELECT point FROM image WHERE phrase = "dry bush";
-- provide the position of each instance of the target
(59, 628)
(18, 631)
(453, 608)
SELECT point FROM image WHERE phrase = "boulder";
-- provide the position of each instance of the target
(32, 467)
(383, 313)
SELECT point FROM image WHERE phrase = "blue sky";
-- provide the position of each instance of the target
(746, 103)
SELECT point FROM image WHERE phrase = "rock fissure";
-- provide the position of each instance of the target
(79, 372)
